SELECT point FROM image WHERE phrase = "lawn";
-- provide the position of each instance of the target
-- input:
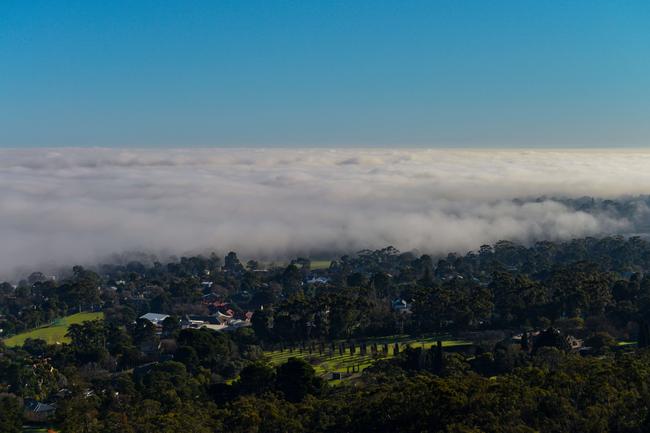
(313, 264)
(32, 429)
(325, 365)
(627, 343)
(320, 264)
(54, 333)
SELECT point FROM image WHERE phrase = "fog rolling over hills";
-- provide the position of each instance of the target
(65, 206)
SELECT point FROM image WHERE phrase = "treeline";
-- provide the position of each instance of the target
(599, 282)
(126, 375)
(550, 391)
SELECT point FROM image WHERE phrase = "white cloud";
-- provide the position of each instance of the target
(80, 205)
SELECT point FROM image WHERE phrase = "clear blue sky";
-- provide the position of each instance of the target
(324, 73)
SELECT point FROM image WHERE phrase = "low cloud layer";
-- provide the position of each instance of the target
(59, 207)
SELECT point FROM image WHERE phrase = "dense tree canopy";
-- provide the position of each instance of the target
(552, 327)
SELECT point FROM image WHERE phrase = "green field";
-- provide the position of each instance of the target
(627, 343)
(320, 264)
(54, 333)
(325, 365)
(32, 429)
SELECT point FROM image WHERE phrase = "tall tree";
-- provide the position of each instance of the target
(296, 379)
(11, 416)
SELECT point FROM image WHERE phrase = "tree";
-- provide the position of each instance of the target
(437, 364)
(296, 379)
(357, 279)
(261, 322)
(88, 341)
(78, 415)
(36, 277)
(35, 346)
(291, 279)
(580, 287)
(169, 383)
(213, 349)
(644, 334)
(144, 332)
(170, 325)
(187, 355)
(11, 416)
(380, 282)
(525, 342)
(600, 342)
(551, 337)
(256, 378)
(83, 289)
(264, 296)
(6, 288)
(232, 263)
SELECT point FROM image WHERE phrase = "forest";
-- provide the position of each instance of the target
(554, 339)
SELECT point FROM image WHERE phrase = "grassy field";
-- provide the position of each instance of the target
(54, 333)
(313, 264)
(320, 264)
(325, 365)
(627, 343)
(32, 429)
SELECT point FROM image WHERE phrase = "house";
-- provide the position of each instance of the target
(551, 337)
(60, 394)
(35, 411)
(236, 324)
(399, 305)
(225, 317)
(313, 279)
(217, 322)
(155, 318)
(196, 321)
(575, 343)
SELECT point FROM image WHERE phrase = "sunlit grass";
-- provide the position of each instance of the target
(54, 333)
(324, 364)
(320, 264)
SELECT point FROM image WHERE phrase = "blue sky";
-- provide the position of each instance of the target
(324, 73)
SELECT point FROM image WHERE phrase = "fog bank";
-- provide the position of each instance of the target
(69, 206)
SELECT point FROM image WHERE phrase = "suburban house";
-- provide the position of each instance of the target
(400, 305)
(315, 279)
(217, 322)
(156, 319)
(35, 411)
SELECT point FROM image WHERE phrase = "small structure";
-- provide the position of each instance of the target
(155, 318)
(575, 343)
(399, 305)
(196, 321)
(315, 279)
(236, 324)
(217, 322)
(35, 411)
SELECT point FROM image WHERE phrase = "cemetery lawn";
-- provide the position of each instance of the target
(324, 365)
